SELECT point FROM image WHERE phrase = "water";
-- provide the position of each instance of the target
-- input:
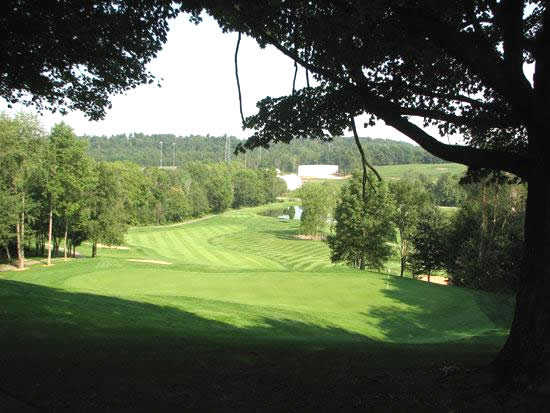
(282, 215)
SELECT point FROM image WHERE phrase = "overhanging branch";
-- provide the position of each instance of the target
(470, 156)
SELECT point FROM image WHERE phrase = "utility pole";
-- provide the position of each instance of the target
(161, 154)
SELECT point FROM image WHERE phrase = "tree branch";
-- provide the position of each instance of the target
(237, 76)
(476, 54)
(474, 157)
(470, 156)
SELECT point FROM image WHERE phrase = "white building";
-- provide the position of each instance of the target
(318, 171)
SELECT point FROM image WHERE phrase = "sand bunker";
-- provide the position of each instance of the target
(152, 261)
(310, 237)
(435, 279)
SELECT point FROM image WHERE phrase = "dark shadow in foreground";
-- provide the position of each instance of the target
(74, 350)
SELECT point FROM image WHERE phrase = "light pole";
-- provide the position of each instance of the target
(161, 154)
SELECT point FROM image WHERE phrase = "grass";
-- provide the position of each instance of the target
(432, 171)
(243, 304)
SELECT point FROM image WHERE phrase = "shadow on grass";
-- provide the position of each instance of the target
(470, 316)
(76, 350)
(33, 312)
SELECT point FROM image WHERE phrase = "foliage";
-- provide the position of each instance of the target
(317, 205)
(97, 201)
(487, 238)
(429, 243)
(447, 191)
(363, 226)
(145, 150)
(410, 199)
(107, 222)
(66, 55)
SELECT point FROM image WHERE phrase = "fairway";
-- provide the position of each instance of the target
(245, 277)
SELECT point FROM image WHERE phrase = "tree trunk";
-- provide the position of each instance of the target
(50, 224)
(523, 356)
(65, 241)
(8, 255)
(361, 263)
(94, 249)
(403, 259)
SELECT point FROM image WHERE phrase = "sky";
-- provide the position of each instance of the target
(199, 93)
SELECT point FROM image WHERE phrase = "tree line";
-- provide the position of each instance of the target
(54, 196)
(478, 244)
(145, 150)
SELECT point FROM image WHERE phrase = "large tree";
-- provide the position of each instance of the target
(362, 231)
(456, 65)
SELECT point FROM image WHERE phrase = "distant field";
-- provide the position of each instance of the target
(235, 290)
(395, 172)
(433, 171)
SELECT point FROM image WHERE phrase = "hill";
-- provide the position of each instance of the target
(145, 150)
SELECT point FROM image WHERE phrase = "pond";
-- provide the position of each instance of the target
(284, 213)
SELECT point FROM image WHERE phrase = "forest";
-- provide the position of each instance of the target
(145, 150)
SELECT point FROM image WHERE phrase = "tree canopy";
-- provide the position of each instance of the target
(64, 55)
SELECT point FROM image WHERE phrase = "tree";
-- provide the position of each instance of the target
(107, 220)
(219, 188)
(447, 191)
(8, 206)
(21, 140)
(410, 199)
(429, 243)
(248, 189)
(459, 66)
(486, 235)
(363, 229)
(317, 205)
(72, 170)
